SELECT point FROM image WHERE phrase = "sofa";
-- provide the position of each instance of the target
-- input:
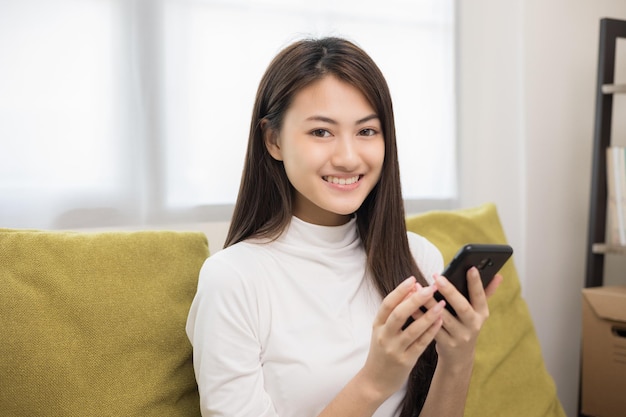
(92, 323)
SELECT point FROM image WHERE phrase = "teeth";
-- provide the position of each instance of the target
(342, 181)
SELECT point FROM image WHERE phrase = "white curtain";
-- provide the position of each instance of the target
(118, 112)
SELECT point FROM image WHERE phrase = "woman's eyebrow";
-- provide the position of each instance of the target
(322, 119)
(334, 122)
(367, 119)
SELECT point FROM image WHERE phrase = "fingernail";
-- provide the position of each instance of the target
(438, 307)
(408, 282)
(427, 290)
(442, 281)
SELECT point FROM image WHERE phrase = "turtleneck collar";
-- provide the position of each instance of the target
(301, 233)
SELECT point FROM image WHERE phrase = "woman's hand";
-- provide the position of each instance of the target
(393, 351)
(457, 340)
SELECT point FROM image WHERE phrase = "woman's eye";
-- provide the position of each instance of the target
(320, 133)
(367, 132)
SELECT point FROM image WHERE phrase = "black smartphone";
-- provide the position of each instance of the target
(487, 258)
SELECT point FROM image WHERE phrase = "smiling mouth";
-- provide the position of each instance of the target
(341, 181)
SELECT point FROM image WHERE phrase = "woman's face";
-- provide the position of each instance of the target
(332, 147)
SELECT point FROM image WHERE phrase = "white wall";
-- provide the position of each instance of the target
(527, 80)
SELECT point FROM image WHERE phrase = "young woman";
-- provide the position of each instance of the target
(305, 312)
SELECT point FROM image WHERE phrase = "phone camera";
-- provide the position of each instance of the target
(485, 263)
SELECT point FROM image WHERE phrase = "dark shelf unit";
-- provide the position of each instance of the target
(610, 31)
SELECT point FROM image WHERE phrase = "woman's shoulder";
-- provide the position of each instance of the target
(236, 252)
(427, 256)
(419, 243)
(232, 266)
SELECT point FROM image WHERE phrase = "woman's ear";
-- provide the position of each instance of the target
(270, 137)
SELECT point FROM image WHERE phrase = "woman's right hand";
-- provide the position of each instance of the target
(394, 352)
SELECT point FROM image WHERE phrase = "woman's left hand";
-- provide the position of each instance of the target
(456, 341)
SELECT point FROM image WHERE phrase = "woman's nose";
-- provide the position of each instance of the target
(345, 153)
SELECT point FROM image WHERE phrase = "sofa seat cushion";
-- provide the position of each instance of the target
(509, 378)
(93, 323)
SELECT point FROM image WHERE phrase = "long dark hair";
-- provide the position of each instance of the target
(264, 203)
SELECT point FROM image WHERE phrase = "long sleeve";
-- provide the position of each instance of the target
(223, 328)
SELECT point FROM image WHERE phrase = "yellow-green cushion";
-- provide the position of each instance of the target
(92, 324)
(510, 378)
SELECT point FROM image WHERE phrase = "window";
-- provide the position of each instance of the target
(132, 112)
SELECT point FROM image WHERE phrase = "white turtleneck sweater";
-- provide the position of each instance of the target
(279, 328)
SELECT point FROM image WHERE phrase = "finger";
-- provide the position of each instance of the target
(493, 285)
(420, 343)
(392, 299)
(410, 305)
(426, 319)
(452, 295)
(432, 302)
(445, 335)
(417, 313)
(416, 287)
(421, 310)
(476, 291)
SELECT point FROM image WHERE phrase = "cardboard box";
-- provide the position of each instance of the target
(604, 352)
